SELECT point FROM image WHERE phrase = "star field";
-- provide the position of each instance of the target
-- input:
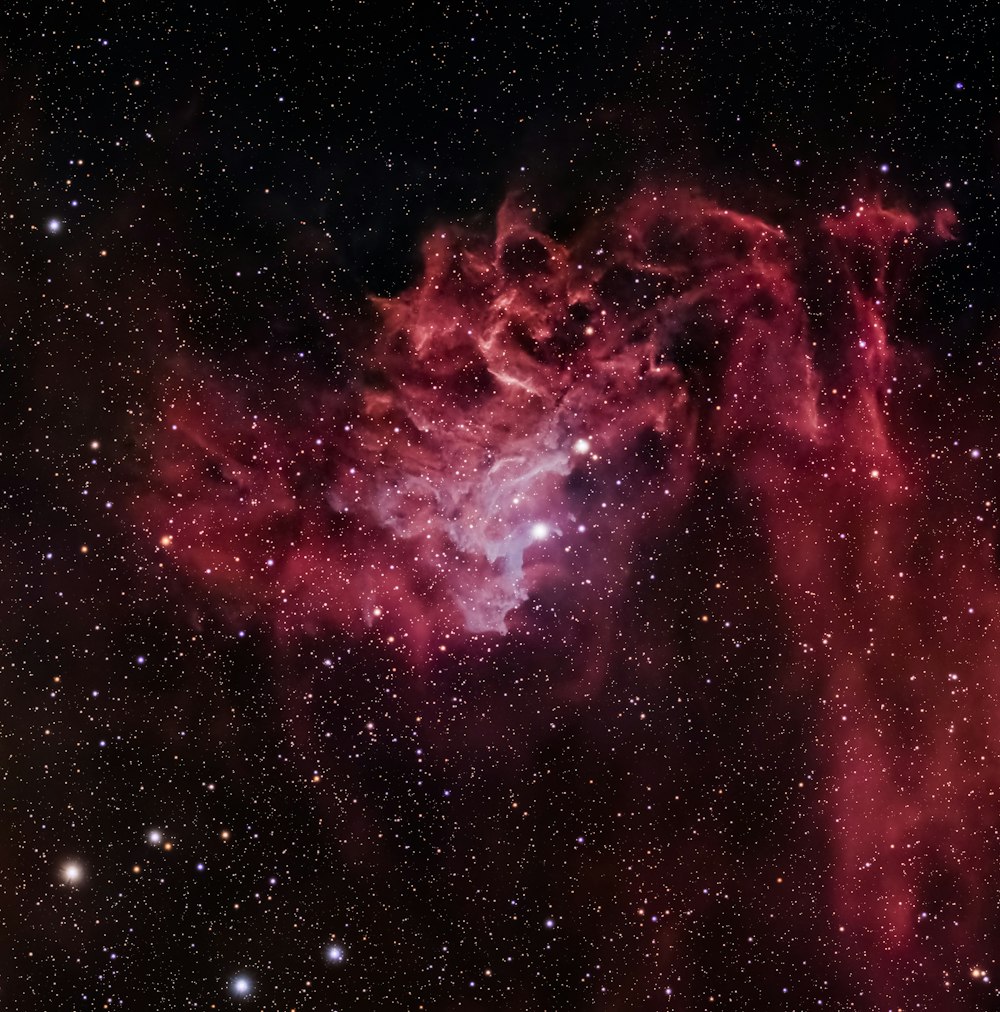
(499, 507)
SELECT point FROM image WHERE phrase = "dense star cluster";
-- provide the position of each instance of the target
(499, 509)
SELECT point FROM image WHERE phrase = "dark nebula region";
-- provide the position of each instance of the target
(537, 439)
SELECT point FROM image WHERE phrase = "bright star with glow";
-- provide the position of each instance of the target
(241, 986)
(335, 954)
(540, 531)
(72, 873)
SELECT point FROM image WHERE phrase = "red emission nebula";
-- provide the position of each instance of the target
(530, 435)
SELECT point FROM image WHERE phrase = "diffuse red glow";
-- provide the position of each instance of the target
(422, 492)
(532, 411)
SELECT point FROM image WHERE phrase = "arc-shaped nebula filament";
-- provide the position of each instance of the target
(531, 412)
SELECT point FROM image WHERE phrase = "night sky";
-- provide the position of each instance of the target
(499, 507)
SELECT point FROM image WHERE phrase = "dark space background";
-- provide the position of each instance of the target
(231, 183)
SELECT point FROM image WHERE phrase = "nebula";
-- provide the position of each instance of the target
(521, 396)
(531, 416)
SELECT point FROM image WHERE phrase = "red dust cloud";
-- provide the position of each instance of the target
(531, 414)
